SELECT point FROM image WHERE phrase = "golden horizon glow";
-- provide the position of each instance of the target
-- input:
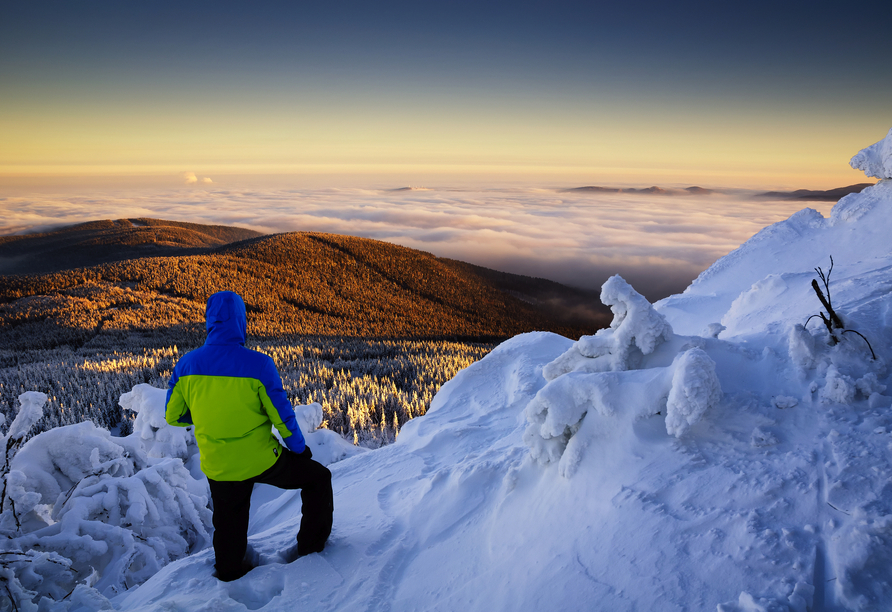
(536, 135)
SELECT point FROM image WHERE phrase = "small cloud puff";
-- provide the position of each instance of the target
(191, 179)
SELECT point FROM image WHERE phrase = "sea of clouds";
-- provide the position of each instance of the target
(658, 243)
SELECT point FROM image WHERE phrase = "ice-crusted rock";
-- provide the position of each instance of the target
(838, 387)
(875, 160)
(637, 329)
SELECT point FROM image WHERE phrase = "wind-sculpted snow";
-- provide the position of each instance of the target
(695, 389)
(637, 329)
(617, 375)
(761, 286)
(82, 507)
(875, 160)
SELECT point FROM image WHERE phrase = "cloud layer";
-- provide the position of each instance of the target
(658, 244)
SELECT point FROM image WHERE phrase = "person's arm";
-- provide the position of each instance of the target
(279, 409)
(176, 410)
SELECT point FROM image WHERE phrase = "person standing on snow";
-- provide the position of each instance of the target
(233, 396)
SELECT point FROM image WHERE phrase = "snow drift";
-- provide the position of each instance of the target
(719, 450)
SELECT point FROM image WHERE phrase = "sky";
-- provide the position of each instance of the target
(286, 116)
(337, 93)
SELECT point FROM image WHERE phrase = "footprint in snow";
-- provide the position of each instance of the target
(257, 588)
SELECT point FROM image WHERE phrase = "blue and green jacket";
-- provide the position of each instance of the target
(233, 396)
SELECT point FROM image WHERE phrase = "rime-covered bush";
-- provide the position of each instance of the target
(637, 329)
(695, 389)
(158, 438)
(89, 514)
(603, 383)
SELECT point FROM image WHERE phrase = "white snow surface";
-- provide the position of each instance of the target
(712, 452)
(875, 160)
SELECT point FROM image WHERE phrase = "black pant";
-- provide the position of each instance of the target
(232, 504)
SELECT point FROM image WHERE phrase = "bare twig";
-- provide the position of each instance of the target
(834, 318)
(831, 319)
(847, 331)
(11, 598)
(809, 319)
(837, 509)
(826, 279)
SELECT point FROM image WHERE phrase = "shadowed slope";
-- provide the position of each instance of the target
(97, 242)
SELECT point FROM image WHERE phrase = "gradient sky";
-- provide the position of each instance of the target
(749, 94)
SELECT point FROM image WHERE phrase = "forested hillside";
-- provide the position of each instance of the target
(96, 242)
(368, 329)
(296, 283)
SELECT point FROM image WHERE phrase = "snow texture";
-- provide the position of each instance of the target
(100, 503)
(875, 160)
(695, 389)
(636, 330)
(31, 405)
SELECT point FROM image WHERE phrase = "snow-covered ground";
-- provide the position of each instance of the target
(709, 452)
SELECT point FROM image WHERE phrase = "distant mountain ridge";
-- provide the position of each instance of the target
(694, 190)
(828, 195)
(293, 283)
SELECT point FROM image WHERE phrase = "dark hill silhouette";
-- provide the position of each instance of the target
(294, 283)
(97, 242)
(694, 190)
(829, 195)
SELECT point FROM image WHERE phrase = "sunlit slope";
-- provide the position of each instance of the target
(295, 283)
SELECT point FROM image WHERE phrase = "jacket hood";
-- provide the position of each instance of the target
(226, 320)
